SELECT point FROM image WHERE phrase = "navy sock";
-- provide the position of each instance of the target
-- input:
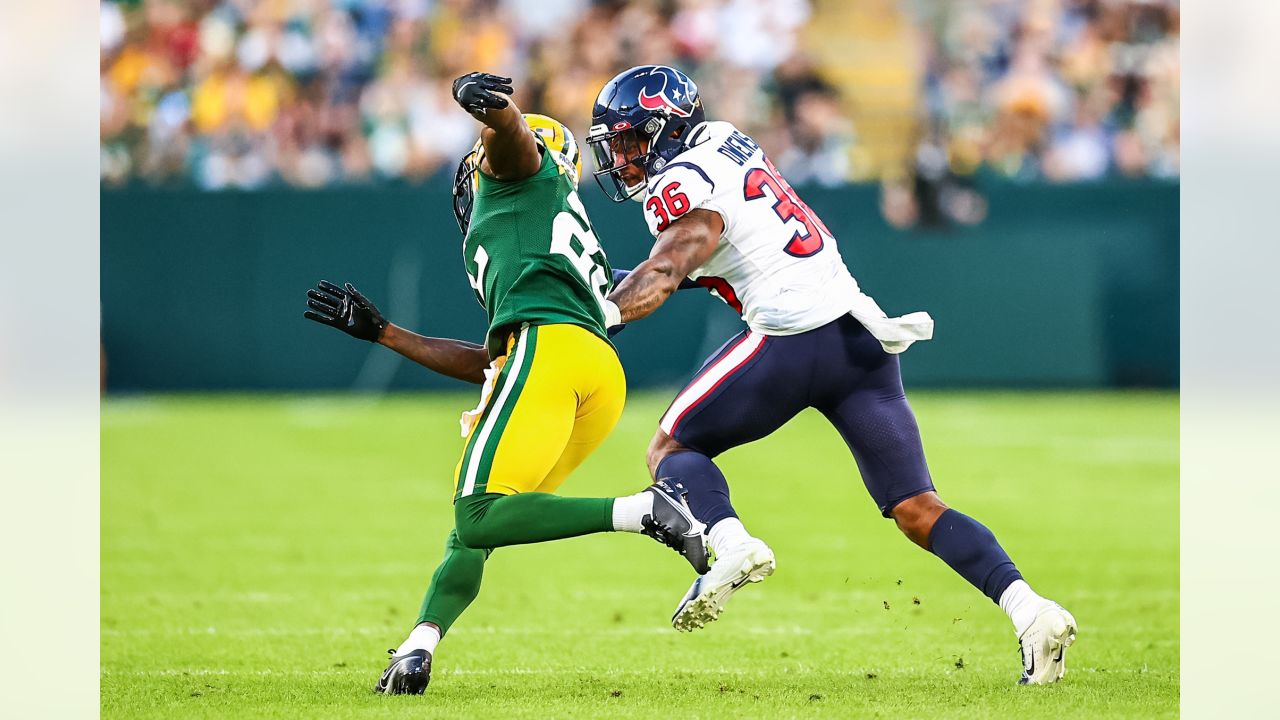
(971, 550)
(693, 475)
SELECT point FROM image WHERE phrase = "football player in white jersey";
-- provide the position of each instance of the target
(724, 217)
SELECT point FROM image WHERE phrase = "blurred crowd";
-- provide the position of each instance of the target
(252, 93)
(1062, 89)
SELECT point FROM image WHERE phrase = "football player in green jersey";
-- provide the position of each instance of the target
(553, 387)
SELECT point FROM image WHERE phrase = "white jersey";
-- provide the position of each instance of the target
(776, 263)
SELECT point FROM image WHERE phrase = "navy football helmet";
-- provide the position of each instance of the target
(641, 119)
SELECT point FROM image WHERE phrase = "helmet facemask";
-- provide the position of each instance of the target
(614, 151)
(464, 186)
(649, 148)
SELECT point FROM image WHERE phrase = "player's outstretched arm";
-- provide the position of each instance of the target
(348, 310)
(620, 274)
(685, 245)
(457, 359)
(510, 151)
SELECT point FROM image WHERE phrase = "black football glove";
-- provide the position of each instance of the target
(348, 310)
(475, 92)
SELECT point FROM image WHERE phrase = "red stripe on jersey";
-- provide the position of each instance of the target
(723, 289)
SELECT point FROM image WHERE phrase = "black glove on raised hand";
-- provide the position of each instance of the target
(348, 310)
(475, 91)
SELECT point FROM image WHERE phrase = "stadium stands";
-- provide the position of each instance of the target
(247, 94)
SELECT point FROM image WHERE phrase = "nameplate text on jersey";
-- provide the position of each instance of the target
(738, 148)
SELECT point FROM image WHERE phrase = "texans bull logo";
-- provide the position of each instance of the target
(661, 101)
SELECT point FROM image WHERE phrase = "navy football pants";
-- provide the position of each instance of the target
(756, 383)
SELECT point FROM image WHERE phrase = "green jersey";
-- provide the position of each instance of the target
(532, 256)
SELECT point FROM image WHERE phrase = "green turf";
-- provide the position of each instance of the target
(260, 554)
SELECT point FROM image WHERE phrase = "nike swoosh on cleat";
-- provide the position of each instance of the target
(385, 680)
(395, 676)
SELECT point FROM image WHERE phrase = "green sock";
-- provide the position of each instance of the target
(492, 520)
(454, 585)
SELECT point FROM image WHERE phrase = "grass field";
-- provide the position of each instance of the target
(260, 554)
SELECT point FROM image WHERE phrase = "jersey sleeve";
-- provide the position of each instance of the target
(682, 187)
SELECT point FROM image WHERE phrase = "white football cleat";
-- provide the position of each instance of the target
(750, 562)
(1044, 646)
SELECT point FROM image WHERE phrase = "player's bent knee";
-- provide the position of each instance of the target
(466, 534)
(660, 447)
(474, 536)
(915, 516)
(468, 519)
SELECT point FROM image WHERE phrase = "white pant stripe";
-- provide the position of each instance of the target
(469, 483)
(709, 380)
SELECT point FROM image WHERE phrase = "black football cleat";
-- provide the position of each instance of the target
(406, 674)
(671, 524)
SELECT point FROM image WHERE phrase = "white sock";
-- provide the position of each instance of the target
(628, 511)
(726, 534)
(423, 637)
(1021, 604)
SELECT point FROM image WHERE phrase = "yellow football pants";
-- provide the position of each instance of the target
(559, 393)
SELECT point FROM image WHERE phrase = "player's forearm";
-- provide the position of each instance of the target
(686, 284)
(455, 358)
(509, 147)
(501, 121)
(645, 288)
(683, 246)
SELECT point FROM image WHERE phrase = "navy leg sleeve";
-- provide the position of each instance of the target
(971, 550)
(692, 474)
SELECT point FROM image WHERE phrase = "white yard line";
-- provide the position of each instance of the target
(608, 671)
(482, 630)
